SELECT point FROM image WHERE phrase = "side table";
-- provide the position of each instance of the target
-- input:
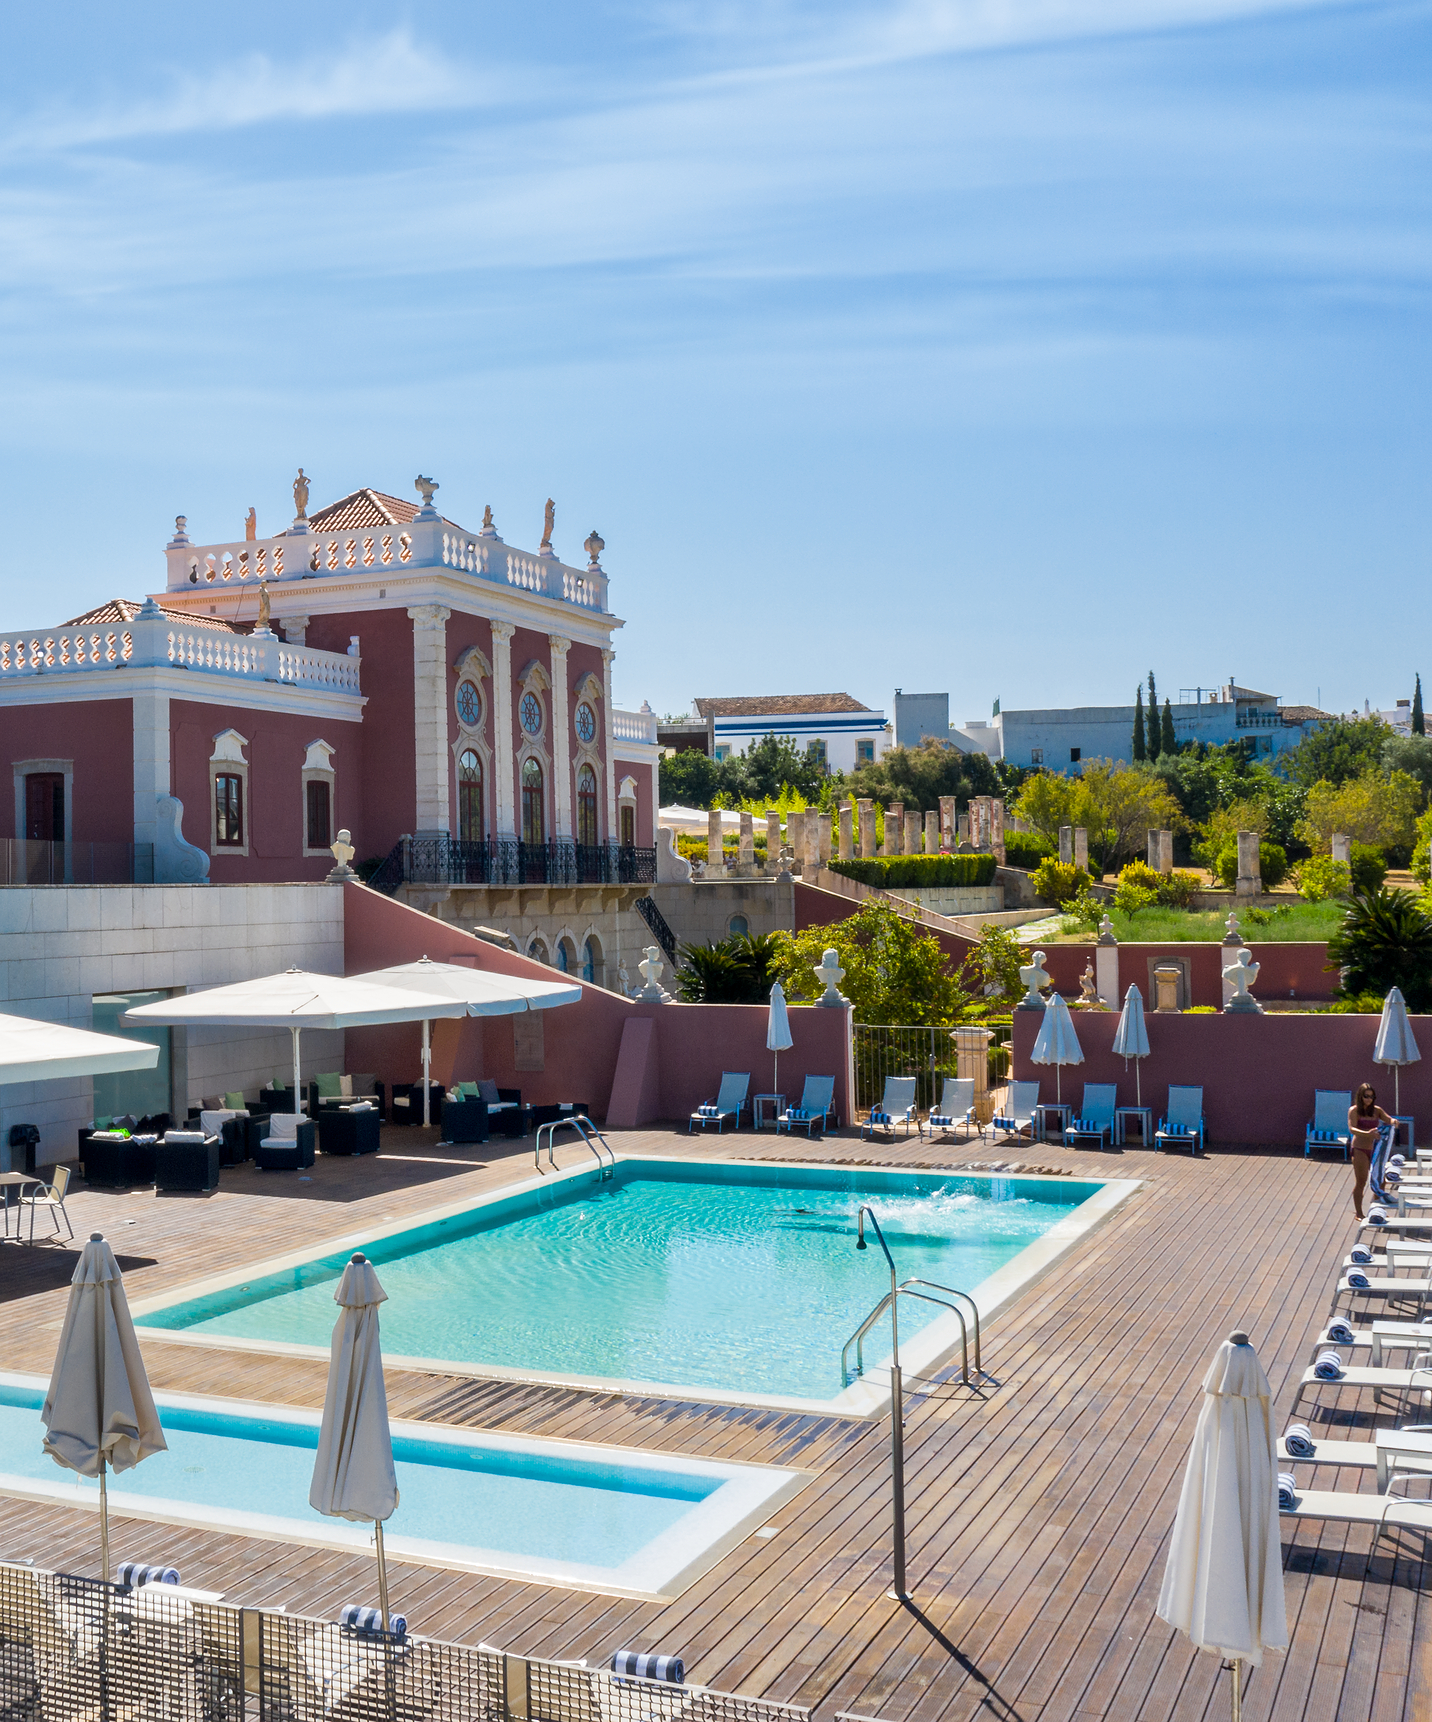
(1145, 1116)
(1062, 1109)
(777, 1104)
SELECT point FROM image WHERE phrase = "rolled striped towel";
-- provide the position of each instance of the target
(1329, 1366)
(1341, 1332)
(136, 1573)
(1287, 1491)
(706, 1111)
(1361, 1252)
(880, 1118)
(1357, 1279)
(364, 1621)
(1298, 1439)
(1399, 1159)
(1376, 1215)
(645, 1665)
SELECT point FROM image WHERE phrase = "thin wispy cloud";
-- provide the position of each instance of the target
(389, 74)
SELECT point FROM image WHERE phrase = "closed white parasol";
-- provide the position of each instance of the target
(353, 1475)
(1395, 1045)
(1131, 1037)
(778, 1033)
(1223, 1584)
(99, 1411)
(1056, 1043)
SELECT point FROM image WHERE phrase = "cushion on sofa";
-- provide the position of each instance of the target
(234, 1102)
(488, 1091)
(328, 1084)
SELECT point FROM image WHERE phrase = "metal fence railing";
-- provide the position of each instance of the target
(502, 861)
(29, 861)
(885, 1049)
(78, 1650)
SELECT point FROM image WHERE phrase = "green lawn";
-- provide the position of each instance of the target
(1299, 920)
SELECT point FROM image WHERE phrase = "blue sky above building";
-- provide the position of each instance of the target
(1004, 348)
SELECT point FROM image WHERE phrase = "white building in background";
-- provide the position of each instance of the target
(839, 731)
(1061, 738)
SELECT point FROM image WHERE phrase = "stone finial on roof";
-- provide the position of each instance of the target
(594, 547)
(426, 487)
(181, 537)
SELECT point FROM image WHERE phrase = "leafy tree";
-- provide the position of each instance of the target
(894, 973)
(1419, 723)
(1422, 851)
(1220, 830)
(1046, 802)
(1168, 745)
(919, 776)
(1059, 882)
(689, 779)
(1371, 809)
(992, 967)
(1339, 750)
(1412, 754)
(1141, 752)
(1272, 866)
(1385, 941)
(1155, 735)
(768, 765)
(1120, 805)
(737, 970)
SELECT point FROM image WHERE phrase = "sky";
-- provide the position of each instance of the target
(1004, 347)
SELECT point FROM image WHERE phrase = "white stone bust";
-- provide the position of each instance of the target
(651, 968)
(1034, 977)
(1241, 974)
(830, 973)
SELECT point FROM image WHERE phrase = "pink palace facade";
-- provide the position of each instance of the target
(441, 695)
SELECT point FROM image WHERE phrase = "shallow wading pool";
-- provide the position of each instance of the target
(735, 1281)
(559, 1512)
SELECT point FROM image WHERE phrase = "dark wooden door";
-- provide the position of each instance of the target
(45, 806)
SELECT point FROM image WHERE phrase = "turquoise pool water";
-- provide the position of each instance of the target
(543, 1506)
(731, 1278)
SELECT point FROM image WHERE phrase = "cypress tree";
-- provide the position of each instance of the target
(1140, 751)
(1155, 739)
(1167, 744)
(1419, 723)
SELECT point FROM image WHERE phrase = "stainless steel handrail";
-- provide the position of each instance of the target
(582, 1124)
(857, 1339)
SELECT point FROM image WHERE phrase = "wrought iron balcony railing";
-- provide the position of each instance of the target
(504, 862)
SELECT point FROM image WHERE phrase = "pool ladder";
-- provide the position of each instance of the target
(907, 1289)
(589, 1133)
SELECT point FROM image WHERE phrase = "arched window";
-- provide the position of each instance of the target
(563, 959)
(737, 927)
(591, 957)
(587, 806)
(469, 797)
(534, 817)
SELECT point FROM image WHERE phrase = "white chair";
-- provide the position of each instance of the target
(1018, 1115)
(1184, 1125)
(897, 1106)
(728, 1103)
(51, 1200)
(957, 1106)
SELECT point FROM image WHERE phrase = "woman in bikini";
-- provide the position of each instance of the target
(1365, 1118)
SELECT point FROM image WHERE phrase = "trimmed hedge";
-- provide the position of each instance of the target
(891, 872)
(1027, 849)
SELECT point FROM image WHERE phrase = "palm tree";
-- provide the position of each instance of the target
(1385, 941)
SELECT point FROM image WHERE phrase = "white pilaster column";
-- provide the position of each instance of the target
(612, 832)
(504, 765)
(561, 738)
(151, 765)
(430, 718)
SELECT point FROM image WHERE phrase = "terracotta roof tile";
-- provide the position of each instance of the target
(774, 705)
(126, 609)
(1300, 714)
(362, 508)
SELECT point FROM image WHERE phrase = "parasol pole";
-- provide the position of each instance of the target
(382, 1573)
(427, 1074)
(103, 1523)
(297, 1091)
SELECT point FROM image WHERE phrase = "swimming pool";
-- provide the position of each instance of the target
(728, 1280)
(613, 1519)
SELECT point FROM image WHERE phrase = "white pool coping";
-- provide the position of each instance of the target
(745, 1499)
(933, 1347)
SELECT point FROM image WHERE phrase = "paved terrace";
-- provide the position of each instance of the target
(1039, 1513)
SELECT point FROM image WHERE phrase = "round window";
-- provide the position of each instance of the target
(530, 712)
(469, 705)
(586, 723)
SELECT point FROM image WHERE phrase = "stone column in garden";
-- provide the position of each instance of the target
(867, 828)
(932, 831)
(1106, 965)
(895, 828)
(1250, 868)
(822, 832)
(949, 836)
(847, 837)
(773, 840)
(714, 857)
(1066, 844)
(996, 828)
(1342, 847)
(912, 831)
(746, 843)
(1081, 847)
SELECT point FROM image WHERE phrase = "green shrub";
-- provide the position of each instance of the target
(1179, 888)
(1130, 897)
(1385, 941)
(1369, 868)
(1026, 849)
(910, 872)
(1272, 864)
(1059, 881)
(1139, 873)
(1322, 877)
(1084, 911)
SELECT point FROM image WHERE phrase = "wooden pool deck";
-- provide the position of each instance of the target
(1039, 1510)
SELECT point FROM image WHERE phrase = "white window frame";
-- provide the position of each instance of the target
(65, 768)
(318, 768)
(227, 760)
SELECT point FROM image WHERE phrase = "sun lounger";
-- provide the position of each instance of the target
(1096, 1114)
(957, 1106)
(729, 1102)
(1018, 1115)
(1343, 1507)
(1183, 1128)
(1328, 1126)
(1404, 1450)
(1376, 1381)
(1385, 1287)
(896, 1108)
(817, 1104)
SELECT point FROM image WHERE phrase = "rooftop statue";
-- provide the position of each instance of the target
(263, 606)
(549, 519)
(251, 525)
(487, 525)
(300, 496)
(427, 486)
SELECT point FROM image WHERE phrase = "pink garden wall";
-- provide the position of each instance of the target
(1258, 1073)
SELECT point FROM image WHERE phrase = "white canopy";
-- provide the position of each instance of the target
(1223, 1584)
(297, 1000)
(696, 818)
(99, 1410)
(483, 991)
(353, 1473)
(33, 1051)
